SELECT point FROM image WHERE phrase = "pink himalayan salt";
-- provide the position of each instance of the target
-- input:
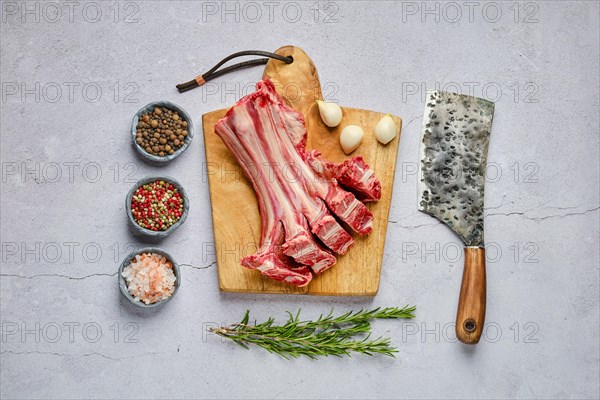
(150, 278)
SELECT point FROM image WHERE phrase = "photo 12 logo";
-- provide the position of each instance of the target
(230, 92)
(53, 12)
(70, 252)
(453, 252)
(270, 11)
(69, 92)
(493, 332)
(524, 172)
(516, 92)
(67, 332)
(68, 172)
(453, 12)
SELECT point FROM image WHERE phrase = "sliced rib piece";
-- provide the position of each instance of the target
(353, 174)
(297, 190)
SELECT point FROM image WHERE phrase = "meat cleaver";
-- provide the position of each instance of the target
(453, 155)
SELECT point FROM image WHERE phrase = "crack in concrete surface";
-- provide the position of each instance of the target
(94, 353)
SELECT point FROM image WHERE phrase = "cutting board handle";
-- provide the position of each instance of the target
(298, 82)
(471, 304)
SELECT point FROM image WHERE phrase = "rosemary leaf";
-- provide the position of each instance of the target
(325, 336)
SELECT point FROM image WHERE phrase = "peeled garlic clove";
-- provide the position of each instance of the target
(331, 113)
(350, 138)
(385, 130)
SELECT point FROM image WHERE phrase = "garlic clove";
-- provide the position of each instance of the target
(385, 130)
(331, 113)
(350, 138)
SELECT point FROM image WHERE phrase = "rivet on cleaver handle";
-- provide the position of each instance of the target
(453, 156)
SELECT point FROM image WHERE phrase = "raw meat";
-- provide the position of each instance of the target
(297, 190)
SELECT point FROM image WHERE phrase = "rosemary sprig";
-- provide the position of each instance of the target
(325, 336)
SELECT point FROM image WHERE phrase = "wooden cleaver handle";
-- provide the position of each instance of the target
(471, 304)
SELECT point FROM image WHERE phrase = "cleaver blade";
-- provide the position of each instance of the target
(453, 154)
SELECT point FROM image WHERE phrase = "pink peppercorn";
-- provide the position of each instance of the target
(157, 205)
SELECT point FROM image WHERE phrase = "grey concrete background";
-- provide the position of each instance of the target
(70, 87)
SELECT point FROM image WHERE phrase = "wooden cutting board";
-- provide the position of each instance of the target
(236, 220)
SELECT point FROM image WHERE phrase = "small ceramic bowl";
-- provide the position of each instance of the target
(138, 230)
(123, 283)
(186, 142)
